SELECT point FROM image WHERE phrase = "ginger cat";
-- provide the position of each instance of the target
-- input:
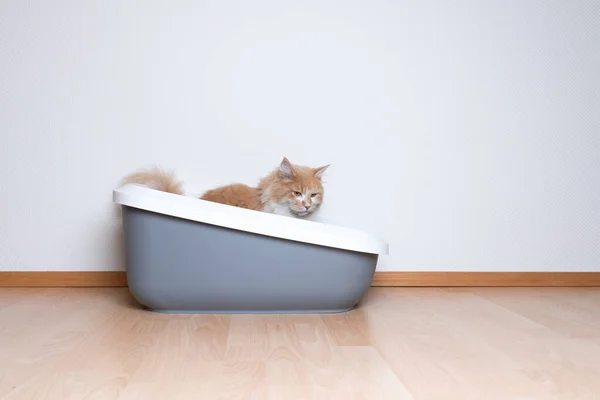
(290, 190)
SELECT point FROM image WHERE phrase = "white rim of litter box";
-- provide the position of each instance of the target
(241, 219)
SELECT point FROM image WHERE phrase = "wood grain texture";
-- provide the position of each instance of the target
(475, 279)
(63, 279)
(383, 278)
(400, 343)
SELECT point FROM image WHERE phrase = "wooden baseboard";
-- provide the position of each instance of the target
(473, 279)
(384, 278)
(63, 279)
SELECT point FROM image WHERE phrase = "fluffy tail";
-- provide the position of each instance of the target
(156, 178)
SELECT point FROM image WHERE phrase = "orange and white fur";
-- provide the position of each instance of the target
(290, 190)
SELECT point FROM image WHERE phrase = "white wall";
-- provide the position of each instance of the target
(466, 133)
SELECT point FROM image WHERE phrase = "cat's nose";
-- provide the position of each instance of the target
(307, 207)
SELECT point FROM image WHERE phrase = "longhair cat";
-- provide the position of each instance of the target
(290, 190)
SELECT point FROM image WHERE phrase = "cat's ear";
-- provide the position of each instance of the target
(286, 171)
(319, 171)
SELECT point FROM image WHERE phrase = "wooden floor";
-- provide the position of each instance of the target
(417, 343)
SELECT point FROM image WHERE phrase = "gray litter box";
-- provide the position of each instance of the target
(186, 255)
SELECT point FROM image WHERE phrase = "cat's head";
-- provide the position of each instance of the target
(294, 189)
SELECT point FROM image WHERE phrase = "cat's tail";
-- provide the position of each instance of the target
(156, 178)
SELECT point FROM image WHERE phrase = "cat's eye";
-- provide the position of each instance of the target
(314, 195)
(297, 194)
